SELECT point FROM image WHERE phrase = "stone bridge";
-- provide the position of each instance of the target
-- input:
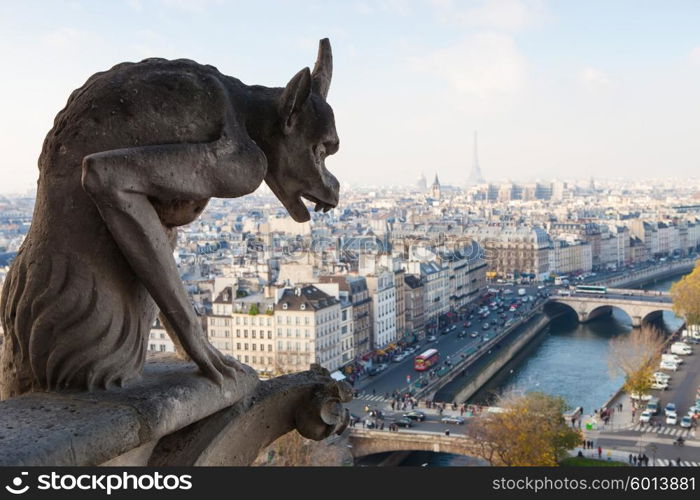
(369, 442)
(640, 305)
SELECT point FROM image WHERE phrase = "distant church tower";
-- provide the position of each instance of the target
(422, 183)
(475, 176)
(435, 191)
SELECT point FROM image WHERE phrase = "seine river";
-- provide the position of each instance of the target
(569, 360)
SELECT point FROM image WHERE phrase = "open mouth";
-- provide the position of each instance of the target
(320, 204)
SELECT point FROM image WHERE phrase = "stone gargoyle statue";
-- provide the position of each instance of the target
(138, 151)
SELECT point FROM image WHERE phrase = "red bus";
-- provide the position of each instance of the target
(424, 361)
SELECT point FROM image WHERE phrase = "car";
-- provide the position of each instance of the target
(399, 358)
(461, 334)
(643, 397)
(686, 422)
(452, 420)
(432, 338)
(415, 415)
(645, 417)
(467, 324)
(403, 422)
(670, 408)
(661, 376)
(694, 410)
(659, 385)
(485, 326)
(667, 365)
(671, 418)
(473, 335)
(354, 418)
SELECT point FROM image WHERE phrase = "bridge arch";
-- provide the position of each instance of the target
(636, 307)
(366, 442)
(607, 310)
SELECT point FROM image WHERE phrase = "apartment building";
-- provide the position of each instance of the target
(308, 329)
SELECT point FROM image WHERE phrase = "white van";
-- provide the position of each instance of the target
(668, 365)
(672, 358)
(681, 348)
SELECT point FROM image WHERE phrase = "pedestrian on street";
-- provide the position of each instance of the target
(640, 460)
(629, 459)
(633, 459)
(600, 452)
(678, 461)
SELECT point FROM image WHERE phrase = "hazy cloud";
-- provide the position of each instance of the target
(505, 15)
(484, 65)
(593, 78)
(695, 55)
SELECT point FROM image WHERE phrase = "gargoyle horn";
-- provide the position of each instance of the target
(323, 69)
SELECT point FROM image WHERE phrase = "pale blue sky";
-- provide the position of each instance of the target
(555, 88)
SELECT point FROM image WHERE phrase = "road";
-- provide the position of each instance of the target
(628, 434)
(373, 390)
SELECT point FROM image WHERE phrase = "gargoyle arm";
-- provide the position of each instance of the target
(122, 182)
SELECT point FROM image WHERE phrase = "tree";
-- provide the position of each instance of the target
(529, 431)
(254, 310)
(686, 296)
(635, 356)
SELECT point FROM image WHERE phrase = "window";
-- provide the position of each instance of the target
(152, 347)
(255, 347)
(269, 334)
(245, 347)
(246, 359)
(162, 348)
(252, 332)
(238, 346)
(269, 347)
(245, 334)
(238, 333)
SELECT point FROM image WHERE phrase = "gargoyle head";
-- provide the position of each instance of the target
(305, 136)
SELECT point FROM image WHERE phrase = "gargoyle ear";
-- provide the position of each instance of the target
(293, 98)
(323, 69)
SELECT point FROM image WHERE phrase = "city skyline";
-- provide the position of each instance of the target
(413, 79)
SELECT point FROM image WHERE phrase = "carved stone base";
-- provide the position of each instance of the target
(172, 416)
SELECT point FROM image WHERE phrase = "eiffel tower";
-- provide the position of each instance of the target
(475, 176)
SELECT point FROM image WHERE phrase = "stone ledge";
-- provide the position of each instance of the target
(68, 429)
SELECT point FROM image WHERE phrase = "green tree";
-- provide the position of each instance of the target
(529, 431)
(686, 296)
(254, 310)
(635, 356)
